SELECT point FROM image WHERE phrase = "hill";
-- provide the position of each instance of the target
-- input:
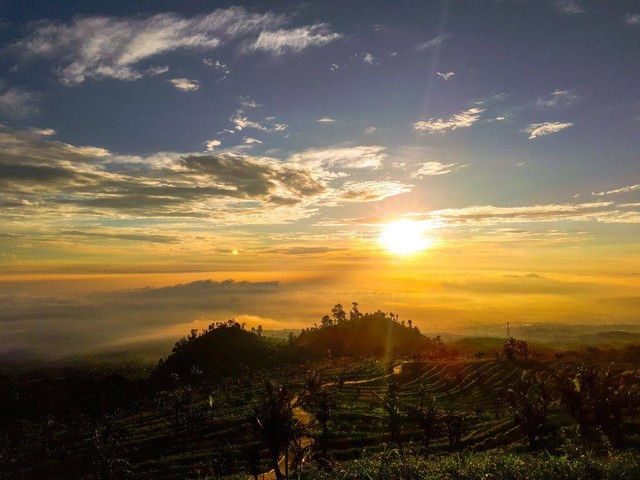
(369, 335)
(224, 350)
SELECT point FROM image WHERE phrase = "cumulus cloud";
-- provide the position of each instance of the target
(536, 130)
(42, 180)
(17, 102)
(630, 188)
(281, 41)
(427, 169)
(460, 120)
(96, 47)
(342, 158)
(433, 42)
(185, 85)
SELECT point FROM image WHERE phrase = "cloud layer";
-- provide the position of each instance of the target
(121, 48)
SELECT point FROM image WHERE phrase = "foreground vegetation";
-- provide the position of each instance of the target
(396, 465)
(231, 403)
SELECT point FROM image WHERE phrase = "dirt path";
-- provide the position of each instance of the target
(304, 418)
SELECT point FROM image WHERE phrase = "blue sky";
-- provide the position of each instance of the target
(165, 136)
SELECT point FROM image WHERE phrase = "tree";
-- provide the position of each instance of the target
(426, 416)
(529, 398)
(275, 424)
(597, 399)
(338, 313)
(513, 348)
(321, 402)
(354, 314)
(394, 416)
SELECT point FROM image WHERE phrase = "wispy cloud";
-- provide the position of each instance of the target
(368, 191)
(556, 98)
(108, 47)
(568, 6)
(45, 132)
(433, 42)
(541, 129)
(326, 120)
(428, 169)
(630, 188)
(445, 76)
(342, 158)
(369, 59)
(185, 84)
(281, 41)
(633, 19)
(17, 102)
(460, 120)
(241, 122)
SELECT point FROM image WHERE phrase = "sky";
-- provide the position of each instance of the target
(164, 165)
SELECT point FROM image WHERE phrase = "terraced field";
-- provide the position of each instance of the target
(189, 434)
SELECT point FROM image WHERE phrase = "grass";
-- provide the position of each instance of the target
(397, 465)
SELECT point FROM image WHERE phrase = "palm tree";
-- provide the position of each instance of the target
(275, 424)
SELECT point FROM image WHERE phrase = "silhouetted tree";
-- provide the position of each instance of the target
(338, 313)
(275, 424)
(529, 398)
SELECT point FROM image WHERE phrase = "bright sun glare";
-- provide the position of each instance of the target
(405, 237)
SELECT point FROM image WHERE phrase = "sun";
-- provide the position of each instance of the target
(405, 237)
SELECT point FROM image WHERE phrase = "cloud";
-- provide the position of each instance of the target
(218, 65)
(435, 168)
(556, 98)
(249, 140)
(445, 76)
(568, 6)
(154, 316)
(630, 188)
(490, 215)
(213, 144)
(459, 120)
(42, 181)
(281, 41)
(326, 120)
(95, 47)
(433, 42)
(17, 102)
(342, 158)
(248, 102)
(241, 122)
(368, 191)
(45, 132)
(368, 59)
(185, 85)
(632, 19)
(541, 129)
(370, 130)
